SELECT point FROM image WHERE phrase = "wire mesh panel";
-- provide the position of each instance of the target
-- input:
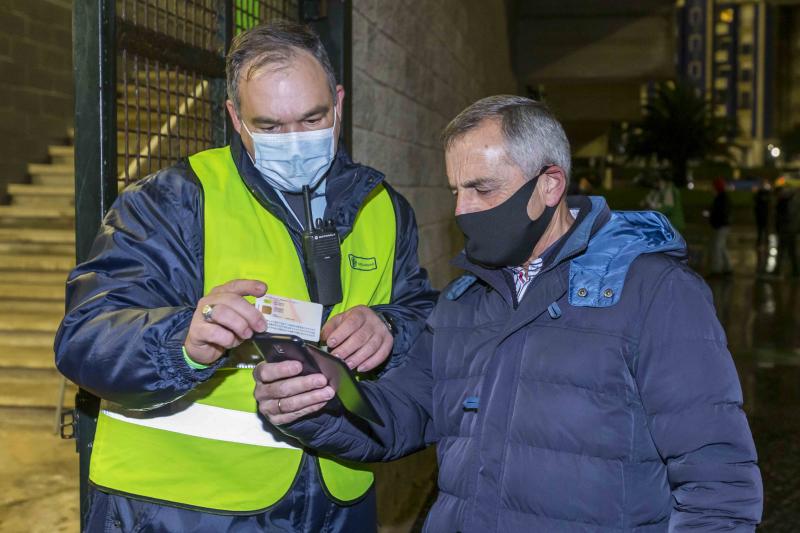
(249, 13)
(170, 76)
(164, 112)
(193, 22)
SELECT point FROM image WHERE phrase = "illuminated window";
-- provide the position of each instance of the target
(745, 100)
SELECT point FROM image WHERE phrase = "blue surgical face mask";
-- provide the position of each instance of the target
(289, 161)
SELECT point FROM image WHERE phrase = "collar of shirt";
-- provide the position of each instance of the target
(523, 276)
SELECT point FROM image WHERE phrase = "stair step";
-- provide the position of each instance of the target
(61, 151)
(43, 202)
(32, 358)
(27, 291)
(39, 389)
(39, 278)
(42, 263)
(27, 339)
(56, 180)
(21, 211)
(33, 306)
(62, 155)
(11, 321)
(51, 236)
(41, 190)
(35, 248)
(40, 169)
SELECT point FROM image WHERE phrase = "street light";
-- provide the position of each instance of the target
(775, 152)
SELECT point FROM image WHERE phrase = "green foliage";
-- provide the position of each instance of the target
(679, 126)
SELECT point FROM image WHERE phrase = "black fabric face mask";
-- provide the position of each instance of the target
(504, 235)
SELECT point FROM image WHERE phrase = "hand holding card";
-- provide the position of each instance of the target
(291, 317)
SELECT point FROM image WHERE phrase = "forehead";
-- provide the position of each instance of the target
(481, 150)
(289, 86)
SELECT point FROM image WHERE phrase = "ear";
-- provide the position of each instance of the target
(339, 104)
(339, 107)
(237, 125)
(555, 185)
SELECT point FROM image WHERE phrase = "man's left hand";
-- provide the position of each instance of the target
(359, 337)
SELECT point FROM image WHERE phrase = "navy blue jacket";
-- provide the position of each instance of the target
(130, 304)
(605, 400)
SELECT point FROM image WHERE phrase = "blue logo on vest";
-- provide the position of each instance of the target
(362, 263)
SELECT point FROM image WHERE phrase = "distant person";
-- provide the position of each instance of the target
(761, 203)
(666, 198)
(720, 219)
(762, 199)
(787, 223)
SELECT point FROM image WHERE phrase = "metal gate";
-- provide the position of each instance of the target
(149, 90)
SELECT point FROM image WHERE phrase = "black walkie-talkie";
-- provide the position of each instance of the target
(322, 256)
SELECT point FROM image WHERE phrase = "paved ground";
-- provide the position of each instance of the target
(761, 318)
(38, 480)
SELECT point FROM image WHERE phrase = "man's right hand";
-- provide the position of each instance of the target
(283, 395)
(233, 320)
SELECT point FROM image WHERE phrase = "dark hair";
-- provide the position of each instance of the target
(533, 136)
(274, 42)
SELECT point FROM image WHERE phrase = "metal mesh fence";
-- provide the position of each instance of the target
(193, 22)
(170, 77)
(249, 13)
(164, 113)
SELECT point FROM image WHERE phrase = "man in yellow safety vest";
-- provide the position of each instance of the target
(155, 314)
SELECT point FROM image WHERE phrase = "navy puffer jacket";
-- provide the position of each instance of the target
(606, 400)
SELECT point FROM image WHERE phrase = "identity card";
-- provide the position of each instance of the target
(291, 317)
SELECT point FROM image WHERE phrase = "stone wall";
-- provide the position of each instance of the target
(36, 88)
(416, 64)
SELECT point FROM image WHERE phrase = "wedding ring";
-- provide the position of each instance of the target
(279, 406)
(207, 311)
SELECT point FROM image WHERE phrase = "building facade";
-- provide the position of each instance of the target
(727, 50)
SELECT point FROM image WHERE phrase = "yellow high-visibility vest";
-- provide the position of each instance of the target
(211, 449)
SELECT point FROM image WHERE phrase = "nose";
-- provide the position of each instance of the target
(459, 206)
(463, 206)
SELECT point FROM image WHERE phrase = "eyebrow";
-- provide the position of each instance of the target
(476, 182)
(320, 109)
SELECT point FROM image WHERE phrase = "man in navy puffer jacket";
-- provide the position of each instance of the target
(575, 379)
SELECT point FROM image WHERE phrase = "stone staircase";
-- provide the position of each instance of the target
(37, 236)
(37, 250)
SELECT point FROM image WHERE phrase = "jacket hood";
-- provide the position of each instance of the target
(597, 276)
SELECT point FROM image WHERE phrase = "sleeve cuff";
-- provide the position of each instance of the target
(189, 361)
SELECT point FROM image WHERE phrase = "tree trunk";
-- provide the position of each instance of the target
(679, 169)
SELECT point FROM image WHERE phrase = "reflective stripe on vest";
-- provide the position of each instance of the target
(211, 449)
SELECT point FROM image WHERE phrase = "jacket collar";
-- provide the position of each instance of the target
(347, 185)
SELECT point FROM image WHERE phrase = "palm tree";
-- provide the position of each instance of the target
(678, 127)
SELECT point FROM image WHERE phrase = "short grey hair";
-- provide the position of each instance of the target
(533, 136)
(274, 42)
